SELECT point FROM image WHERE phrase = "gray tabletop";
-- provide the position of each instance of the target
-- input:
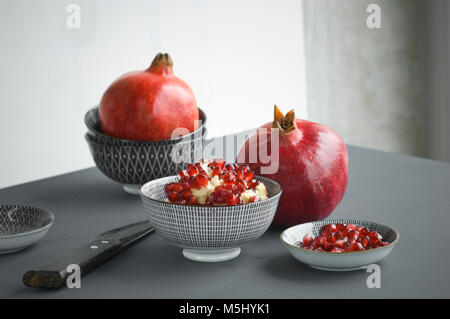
(411, 194)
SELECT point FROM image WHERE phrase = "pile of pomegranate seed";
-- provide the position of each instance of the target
(234, 180)
(343, 238)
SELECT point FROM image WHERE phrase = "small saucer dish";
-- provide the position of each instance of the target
(22, 226)
(342, 261)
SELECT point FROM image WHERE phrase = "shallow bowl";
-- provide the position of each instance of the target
(293, 236)
(22, 226)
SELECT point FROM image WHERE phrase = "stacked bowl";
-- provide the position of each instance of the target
(133, 163)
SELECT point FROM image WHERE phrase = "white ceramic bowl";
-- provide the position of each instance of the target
(22, 226)
(293, 236)
(208, 233)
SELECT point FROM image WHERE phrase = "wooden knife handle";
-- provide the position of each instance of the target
(87, 257)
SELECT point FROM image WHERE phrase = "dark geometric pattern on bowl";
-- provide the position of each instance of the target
(140, 164)
(92, 121)
(205, 226)
(16, 219)
(134, 162)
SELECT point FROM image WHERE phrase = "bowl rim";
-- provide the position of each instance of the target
(33, 231)
(327, 253)
(278, 194)
(94, 131)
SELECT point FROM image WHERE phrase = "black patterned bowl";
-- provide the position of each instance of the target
(22, 226)
(133, 163)
(208, 233)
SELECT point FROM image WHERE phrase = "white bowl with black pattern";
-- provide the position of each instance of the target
(133, 163)
(208, 233)
(22, 226)
(343, 261)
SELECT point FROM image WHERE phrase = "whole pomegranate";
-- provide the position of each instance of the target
(312, 166)
(148, 105)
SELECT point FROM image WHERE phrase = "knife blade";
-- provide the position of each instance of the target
(87, 257)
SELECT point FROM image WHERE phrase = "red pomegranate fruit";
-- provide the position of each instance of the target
(311, 167)
(148, 105)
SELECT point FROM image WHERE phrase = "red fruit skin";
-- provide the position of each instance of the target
(313, 171)
(148, 105)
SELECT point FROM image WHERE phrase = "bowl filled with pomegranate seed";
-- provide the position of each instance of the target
(340, 244)
(210, 208)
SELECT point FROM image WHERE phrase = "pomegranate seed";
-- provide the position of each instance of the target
(357, 246)
(315, 244)
(363, 232)
(339, 235)
(192, 183)
(252, 183)
(218, 162)
(248, 176)
(327, 246)
(185, 195)
(192, 200)
(307, 240)
(351, 227)
(183, 173)
(365, 242)
(201, 180)
(229, 167)
(228, 177)
(245, 168)
(339, 243)
(172, 196)
(337, 250)
(173, 187)
(322, 240)
(373, 234)
(352, 235)
(192, 171)
(232, 200)
(239, 173)
(326, 233)
(216, 171)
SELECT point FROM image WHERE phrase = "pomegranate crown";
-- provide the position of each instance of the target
(285, 123)
(162, 63)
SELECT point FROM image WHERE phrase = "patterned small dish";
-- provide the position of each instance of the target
(133, 163)
(208, 233)
(293, 236)
(22, 226)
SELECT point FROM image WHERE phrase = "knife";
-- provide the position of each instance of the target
(88, 256)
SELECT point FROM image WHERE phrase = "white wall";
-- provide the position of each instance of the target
(240, 58)
(366, 83)
(436, 78)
